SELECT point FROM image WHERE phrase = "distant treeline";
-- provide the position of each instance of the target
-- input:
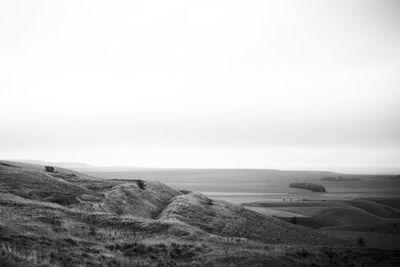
(308, 186)
(339, 179)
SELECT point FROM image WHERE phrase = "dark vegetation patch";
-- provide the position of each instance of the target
(141, 184)
(50, 169)
(309, 186)
(340, 179)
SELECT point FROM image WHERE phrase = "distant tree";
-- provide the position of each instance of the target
(308, 186)
(294, 220)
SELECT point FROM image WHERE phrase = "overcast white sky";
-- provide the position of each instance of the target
(257, 84)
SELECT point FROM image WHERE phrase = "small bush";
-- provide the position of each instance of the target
(141, 184)
(49, 169)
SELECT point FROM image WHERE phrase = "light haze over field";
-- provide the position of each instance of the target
(252, 84)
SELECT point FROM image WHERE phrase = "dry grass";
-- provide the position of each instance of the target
(10, 255)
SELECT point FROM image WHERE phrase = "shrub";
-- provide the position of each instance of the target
(141, 184)
(49, 169)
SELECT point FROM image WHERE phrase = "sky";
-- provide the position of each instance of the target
(292, 84)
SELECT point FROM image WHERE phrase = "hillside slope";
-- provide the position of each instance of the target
(225, 219)
(80, 191)
(352, 215)
(58, 217)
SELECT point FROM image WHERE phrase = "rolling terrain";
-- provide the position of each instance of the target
(365, 217)
(59, 217)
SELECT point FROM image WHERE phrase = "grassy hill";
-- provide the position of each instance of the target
(65, 218)
(225, 219)
(361, 215)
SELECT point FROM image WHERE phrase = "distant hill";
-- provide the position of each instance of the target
(209, 175)
(361, 215)
(67, 165)
(79, 166)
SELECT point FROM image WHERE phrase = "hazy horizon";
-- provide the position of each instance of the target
(224, 84)
(81, 166)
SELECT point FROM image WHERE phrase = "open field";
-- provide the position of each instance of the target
(258, 181)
